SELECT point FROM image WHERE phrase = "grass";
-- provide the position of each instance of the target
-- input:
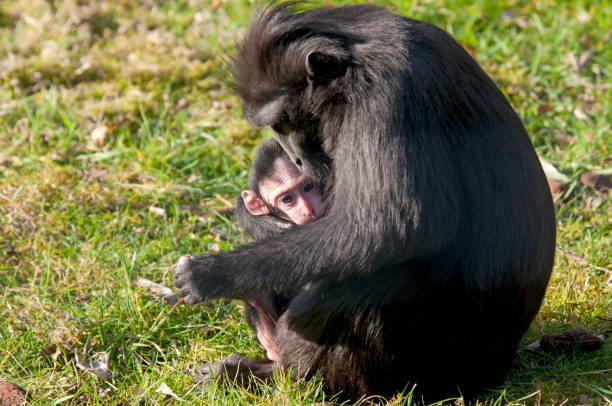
(81, 220)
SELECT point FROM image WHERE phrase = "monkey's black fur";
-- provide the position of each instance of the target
(438, 241)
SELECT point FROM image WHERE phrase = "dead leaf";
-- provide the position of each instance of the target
(567, 341)
(599, 182)
(583, 17)
(96, 174)
(158, 211)
(181, 104)
(226, 211)
(164, 389)
(470, 49)
(157, 290)
(522, 22)
(579, 112)
(566, 139)
(103, 392)
(11, 394)
(555, 187)
(585, 58)
(594, 202)
(216, 5)
(576, 258)
(99, 368)
(586, 41)
(544, 108)
(507, 14)
(219, 233)
(98, 135)
(193, 209)
(53, 351)
(571, 58)
(552, 172)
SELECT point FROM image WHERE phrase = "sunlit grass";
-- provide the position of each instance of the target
(81, 220)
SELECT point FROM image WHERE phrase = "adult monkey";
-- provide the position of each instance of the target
(438, 243)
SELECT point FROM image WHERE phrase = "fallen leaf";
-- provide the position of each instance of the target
(193, 209)
(571, 58)
(53, 350)
(555, 187)
(207, 331)
(544, 108)
(157, 290)
(586, 41)
(507, 14)
(566, 139)
(158, 211)
(98, 135)
(583, 17)
(580, 114)
(553, 173)
(164, 389)
(153, 287)
(585, 58)
(219, 233)
(594, 202)
(103, 392)
(96, 174)
(567, 341)
(471, 49)
(599, 182)
(226, 211)
(576, 258)
(522, 22)
(99, 368)
(181, 104)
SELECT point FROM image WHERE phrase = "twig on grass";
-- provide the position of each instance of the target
(572, 256)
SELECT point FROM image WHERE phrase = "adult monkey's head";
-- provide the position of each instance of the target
(293, 80)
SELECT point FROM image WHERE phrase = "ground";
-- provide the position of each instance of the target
(122, 148)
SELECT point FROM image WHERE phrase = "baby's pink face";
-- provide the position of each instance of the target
(296, 195)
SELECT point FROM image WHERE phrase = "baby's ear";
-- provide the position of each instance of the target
(253, 203)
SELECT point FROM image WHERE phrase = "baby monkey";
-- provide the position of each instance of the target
(277, 198)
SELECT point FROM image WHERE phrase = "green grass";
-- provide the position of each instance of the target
(76, 224)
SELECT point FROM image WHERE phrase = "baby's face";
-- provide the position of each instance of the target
(296, 195)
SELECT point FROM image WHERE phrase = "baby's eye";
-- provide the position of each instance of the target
(308, 187)
(287, 199)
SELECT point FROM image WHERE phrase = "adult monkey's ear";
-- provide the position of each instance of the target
(322, 66)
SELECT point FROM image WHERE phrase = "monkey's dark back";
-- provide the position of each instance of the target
(439, 241)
